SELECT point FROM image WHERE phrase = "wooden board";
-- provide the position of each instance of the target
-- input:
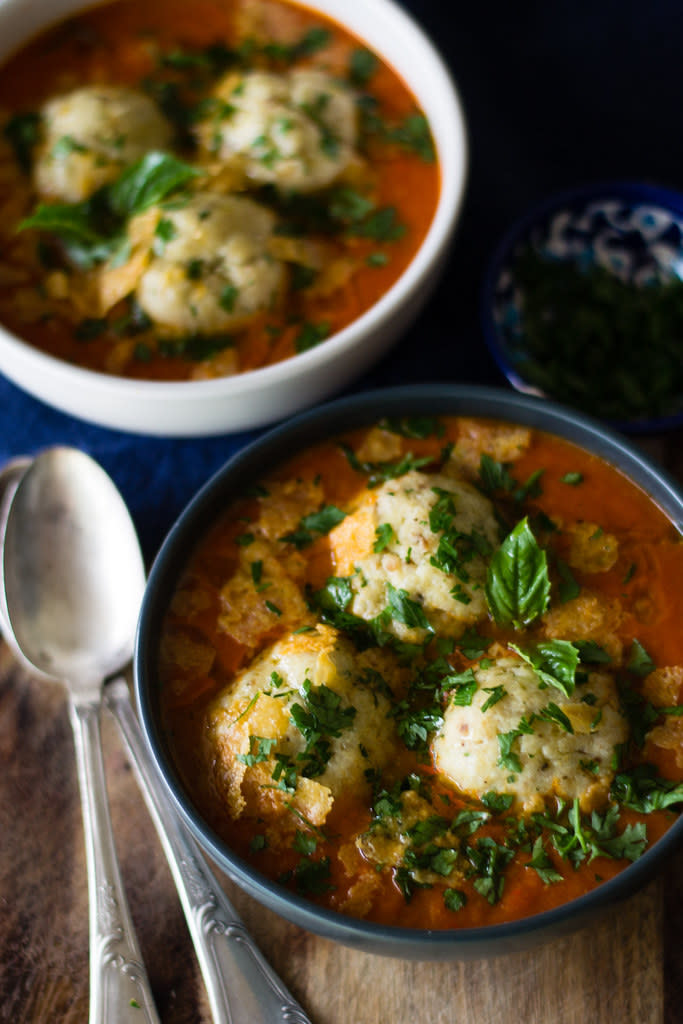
(626, 968)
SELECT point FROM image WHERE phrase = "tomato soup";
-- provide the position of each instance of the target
(429, 673)
(194, 190)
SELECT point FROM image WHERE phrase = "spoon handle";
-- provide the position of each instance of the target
(242, 987)
(119, 986)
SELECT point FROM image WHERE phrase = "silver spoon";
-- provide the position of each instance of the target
(64, 518)
(242, 987)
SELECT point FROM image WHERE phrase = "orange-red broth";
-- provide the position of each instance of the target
(647, 580)
(123, 43)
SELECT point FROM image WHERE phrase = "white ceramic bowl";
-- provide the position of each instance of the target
(258, 397)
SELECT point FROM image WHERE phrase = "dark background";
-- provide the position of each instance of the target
(556, 94)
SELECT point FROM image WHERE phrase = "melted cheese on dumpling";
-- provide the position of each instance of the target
(511, 740)
(90, 135)
(213, 272)
(421, 542)
(262, 757)
(295, 130)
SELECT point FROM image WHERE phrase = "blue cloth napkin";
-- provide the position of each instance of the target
(156, 476)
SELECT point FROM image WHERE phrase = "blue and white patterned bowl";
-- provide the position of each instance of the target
(634, 231)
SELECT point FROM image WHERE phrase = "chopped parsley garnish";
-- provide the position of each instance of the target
(644, 790)
(639, 660)
(260, 748)
(417, 427)
(362, 66)
(405, 610)
(496, 693)
(22, 131)
(454, 899)
(384, 536)
(320, 522)
(542, 864)
(622, 335)
(319, 717)
(379, 472)
(461, 687)
(568, 588)
(507, 757)
(311, 335)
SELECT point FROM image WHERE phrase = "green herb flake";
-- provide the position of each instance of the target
(406, 610)
(362, 66)
(496, 693)
(542, 864)
(454, 899)
(311, 335)
(22, 131)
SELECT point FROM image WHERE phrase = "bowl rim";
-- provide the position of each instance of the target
(264, 453)
(535, 216)
(57, 381)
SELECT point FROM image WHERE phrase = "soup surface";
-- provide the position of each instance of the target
(194, 190)
(430, 673)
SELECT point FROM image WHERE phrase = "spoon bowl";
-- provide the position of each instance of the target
(74, 574)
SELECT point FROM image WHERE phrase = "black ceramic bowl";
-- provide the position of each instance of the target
(602, 342)
(210, 502)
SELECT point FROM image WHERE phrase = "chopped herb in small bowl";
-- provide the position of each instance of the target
(583, 303)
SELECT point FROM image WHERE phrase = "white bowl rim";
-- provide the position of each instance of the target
(453, 154)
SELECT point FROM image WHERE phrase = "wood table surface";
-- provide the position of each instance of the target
(626, 968)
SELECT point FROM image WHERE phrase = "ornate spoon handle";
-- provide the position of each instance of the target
(119, 987)
(241, 986)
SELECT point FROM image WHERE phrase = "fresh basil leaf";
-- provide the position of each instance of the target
(147, 182)
(71, 221)
(555, 662)
(517, 585)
